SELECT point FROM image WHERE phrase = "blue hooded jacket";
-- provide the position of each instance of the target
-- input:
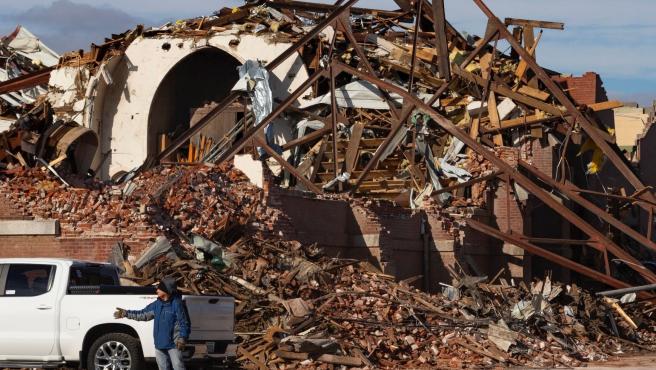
(171, 321)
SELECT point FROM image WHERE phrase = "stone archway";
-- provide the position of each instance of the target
(204, 76)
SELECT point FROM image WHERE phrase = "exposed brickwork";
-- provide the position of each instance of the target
(92, 246)
(386, 235)
(586, 89)
(11, 211)
(85, 248)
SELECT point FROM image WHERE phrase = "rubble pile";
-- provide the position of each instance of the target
(398, 106)
(299, 309)
(172, 201)
(493, 96)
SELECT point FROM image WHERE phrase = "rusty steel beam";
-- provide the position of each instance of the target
(601, 242)
(333, 123)
(414, 47)
(558, 93)
(534, 23)
(206, 119)
(525, 182)
(572, 194)
(236, 147)
(557, 241)
(550, 256)
(310, 35)
(286, 165)
(327, 8)
(26, 81)
(441, 45)
(307, 138)
(631, 199)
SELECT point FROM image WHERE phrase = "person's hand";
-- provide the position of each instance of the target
(119, 313)
(181, 344)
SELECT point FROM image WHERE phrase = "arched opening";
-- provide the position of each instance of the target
(199, 79)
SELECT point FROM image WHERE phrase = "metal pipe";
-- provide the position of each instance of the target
(623, 291)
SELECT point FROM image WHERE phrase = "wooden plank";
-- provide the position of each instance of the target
(523, 65)
(517, 35)
(318, 159)
(262, 143)
(354, 146)
(493, 114)
(522, 121)
(340, 360)
(419, 72)
(252, 358)
(534, 23)
(607, 105)
(417, 176)
(305, 166)
(504, 90)
(428, 55)
(478, 350)
(473, 129)
(190, 156)
(526, 121)
(288, 355)
(485, 61)
(529, 37)
(534, 93)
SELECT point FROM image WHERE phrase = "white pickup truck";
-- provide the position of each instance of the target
(56, 313)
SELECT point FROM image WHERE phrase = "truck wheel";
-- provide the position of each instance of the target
(115, 351)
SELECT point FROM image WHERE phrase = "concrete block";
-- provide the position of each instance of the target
(29, 227)
(365, 240)
(444, 245)
(512, 250)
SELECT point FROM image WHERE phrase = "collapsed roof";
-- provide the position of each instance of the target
(384, 104)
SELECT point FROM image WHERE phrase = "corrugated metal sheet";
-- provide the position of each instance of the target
(28, 45)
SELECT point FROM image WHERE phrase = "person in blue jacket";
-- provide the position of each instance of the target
(171, 329)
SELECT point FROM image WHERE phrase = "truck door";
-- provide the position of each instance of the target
(28, 312)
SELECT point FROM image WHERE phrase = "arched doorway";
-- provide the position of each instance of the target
(202, 77)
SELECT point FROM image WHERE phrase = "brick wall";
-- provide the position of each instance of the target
(388, 236)
(9, 211)
(85, 247)
(86, 242)
(587, 89)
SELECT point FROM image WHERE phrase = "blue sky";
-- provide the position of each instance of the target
(615, 39)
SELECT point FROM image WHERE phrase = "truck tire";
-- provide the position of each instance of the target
(115, 351)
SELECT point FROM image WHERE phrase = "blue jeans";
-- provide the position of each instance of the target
(166, 358)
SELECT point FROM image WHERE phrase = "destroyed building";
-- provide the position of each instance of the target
(386, 138)
(171, 95)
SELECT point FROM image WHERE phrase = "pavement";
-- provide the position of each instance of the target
(641, 362)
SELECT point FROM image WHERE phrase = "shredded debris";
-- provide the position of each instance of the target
(385, 105)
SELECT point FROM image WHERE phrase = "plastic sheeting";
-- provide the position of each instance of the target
(28, 45)
(254, 79)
